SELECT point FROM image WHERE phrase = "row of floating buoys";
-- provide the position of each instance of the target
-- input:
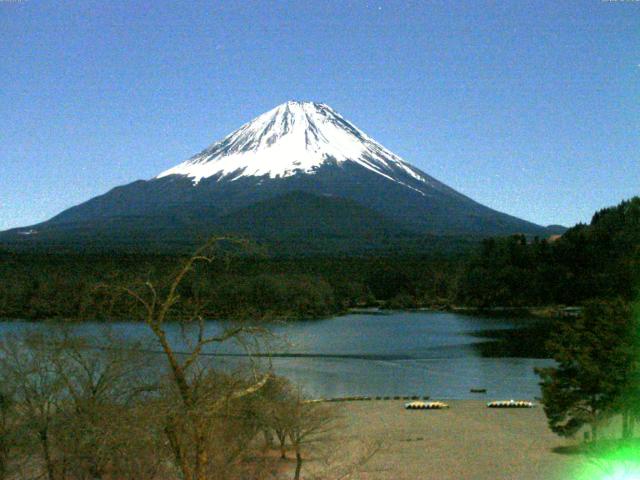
(414, 397)
(356, 399)
(345, 399)
(425, 405)
(510, 404)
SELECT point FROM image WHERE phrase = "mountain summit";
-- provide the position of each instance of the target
(297, 174)
(293, 138)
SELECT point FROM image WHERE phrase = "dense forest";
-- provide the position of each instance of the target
(599, 260)
(40, 286)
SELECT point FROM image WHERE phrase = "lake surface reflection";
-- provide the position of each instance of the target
(372, 354)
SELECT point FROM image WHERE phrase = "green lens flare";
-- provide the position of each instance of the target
(619, 463)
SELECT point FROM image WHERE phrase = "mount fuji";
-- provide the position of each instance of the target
(296, 175)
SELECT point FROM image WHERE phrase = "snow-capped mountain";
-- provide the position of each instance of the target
(293, 138)
(300, 171)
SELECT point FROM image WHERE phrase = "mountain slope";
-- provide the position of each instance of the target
(289, 214)
(297, 148)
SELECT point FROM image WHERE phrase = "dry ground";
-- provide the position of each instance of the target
(468, 441)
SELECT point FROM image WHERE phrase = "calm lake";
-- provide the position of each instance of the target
(372, 354)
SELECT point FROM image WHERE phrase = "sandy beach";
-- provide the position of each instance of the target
(467, 441)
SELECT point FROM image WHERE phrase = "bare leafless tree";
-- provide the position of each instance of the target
(9, 428)
(105, 379)
(276, 402)
(191, 419)
(27, 365)
(310, 425)
(78, 408)
(89, 410)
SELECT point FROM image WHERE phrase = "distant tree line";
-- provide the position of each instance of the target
(68, 286)
(599, 260)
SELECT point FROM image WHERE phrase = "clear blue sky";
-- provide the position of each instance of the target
(530, 107)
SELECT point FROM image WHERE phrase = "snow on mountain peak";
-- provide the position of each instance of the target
(294, 137)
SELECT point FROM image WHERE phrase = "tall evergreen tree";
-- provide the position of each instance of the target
(594, 376)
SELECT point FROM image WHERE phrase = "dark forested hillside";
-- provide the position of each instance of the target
(599, 260)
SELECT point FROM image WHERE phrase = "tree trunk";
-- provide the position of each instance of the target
(625, 424)
(282, 438)
(298, 465)
(202, 458)
(594, 432)
(178, 454)
(4, 457)
(268, 438)
(630, 425)
(96, 473)
(283, 449)
(3, 465)
(48, 461)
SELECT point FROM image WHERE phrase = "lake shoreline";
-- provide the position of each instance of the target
(540, 311)
(380, 308)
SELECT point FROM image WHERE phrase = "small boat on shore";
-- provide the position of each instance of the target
(510, 404)
(425, 405)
